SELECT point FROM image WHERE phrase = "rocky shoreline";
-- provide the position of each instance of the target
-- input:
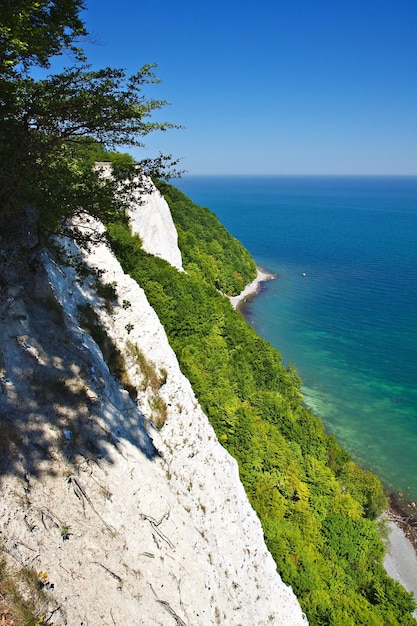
(400, 560)
(404, 514)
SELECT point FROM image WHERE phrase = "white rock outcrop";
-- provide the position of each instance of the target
(151, 219)
(130, 525)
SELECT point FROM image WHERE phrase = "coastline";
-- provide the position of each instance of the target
(400, 561)
(404, 514)
(252, 289)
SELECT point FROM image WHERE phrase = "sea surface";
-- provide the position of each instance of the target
(343, 309)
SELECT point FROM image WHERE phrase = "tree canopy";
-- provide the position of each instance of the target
(52, 129)
(32, 32)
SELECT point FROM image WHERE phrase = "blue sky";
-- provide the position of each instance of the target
(273, 86)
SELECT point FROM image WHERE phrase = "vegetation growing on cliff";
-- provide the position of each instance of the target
(316, 506)
(48, 125)
(208, 249)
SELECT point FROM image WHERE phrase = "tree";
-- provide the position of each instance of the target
(32, 32)
(52, 129)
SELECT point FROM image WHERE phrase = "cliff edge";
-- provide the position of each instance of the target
(123, 523)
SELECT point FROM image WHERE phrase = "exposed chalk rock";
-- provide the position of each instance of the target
(151, 219)
(232, 559)
(126, 524)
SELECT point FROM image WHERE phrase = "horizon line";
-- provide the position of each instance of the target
(301, 174)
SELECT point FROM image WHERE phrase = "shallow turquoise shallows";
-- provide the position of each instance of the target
(344, 307)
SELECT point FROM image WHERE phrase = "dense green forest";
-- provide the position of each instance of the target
(317, 507)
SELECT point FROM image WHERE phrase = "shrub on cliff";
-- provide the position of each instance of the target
(46, 125)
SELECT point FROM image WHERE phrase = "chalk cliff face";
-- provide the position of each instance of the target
(128, 524)
(151, 219)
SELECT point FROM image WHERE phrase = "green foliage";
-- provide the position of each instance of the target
(65, 532)
(111, 354)
(365, 487)
(32, 32)
(208, 249)
(316, 506)
(22, 601)
(50, 129)
(151, 378)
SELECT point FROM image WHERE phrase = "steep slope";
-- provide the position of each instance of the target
(317, 507)
(125, 524)
(151, 219)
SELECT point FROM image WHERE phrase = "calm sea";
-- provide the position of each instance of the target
(350, 324)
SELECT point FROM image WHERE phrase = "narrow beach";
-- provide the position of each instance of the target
(251, 289)
(400, 560)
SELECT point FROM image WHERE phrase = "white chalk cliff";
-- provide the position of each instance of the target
(151, 219)
(129, 524)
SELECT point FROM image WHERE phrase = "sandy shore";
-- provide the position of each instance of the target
(400, 560)
(251, 289)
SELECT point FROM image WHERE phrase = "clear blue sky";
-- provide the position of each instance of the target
(273, 86)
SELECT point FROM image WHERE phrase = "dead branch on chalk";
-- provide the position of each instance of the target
(81, 495)
(154, 523)
(168, 608)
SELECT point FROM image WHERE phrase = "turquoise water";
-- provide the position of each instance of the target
(349, 325)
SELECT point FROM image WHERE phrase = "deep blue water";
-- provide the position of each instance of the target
(350, 325)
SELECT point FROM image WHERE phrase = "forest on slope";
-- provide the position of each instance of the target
(317, 507)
